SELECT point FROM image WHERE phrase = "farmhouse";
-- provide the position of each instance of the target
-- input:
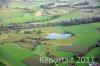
(39, 13)
(87, 10)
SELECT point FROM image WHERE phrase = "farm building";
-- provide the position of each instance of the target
(87, 10)
(39, 13)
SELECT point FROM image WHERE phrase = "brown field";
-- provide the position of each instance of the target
(8, 11)
(75, 49)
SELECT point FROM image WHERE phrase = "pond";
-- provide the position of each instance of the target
(58, 36)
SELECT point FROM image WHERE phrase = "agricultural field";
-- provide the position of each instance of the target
(51, 29)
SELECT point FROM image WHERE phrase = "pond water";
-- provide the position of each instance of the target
(58, 36)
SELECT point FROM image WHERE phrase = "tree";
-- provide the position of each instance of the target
(39, 31)
(0, 33)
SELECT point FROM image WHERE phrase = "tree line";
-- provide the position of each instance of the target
(80, 21)
(61, 23)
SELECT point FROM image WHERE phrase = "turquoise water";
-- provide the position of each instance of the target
(58, 36)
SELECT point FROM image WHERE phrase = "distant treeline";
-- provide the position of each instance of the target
(61, 23)
(76, 22)
(80, 21)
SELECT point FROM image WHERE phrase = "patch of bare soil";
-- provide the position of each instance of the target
(74, 49)
(98, 28)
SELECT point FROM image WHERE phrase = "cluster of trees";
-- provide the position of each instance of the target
(46, 6)
(40, 39)
(2, 64)
(80, 21)
(62, 23)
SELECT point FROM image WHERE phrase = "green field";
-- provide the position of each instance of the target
(79, 39)
(17, 46)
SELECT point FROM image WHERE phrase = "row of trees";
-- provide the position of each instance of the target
(47, 5)
(48, 19)
(80, 21)
(87, 50)
(61, 23)
(77, 55)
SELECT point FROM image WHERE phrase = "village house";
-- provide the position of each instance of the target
(39, 13)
